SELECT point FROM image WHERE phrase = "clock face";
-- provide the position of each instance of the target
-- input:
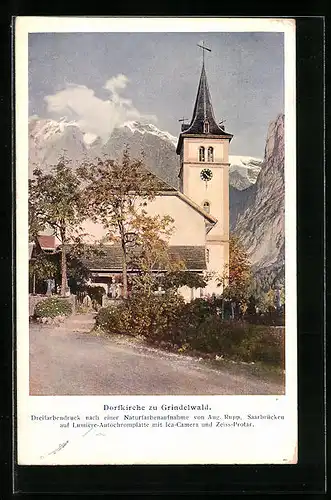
(206, 174)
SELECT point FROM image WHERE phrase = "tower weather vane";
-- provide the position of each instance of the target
(203, 47)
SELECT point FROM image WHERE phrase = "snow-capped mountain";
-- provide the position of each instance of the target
(49, 138)
(256, 185)
(149, 128)
(243, 171)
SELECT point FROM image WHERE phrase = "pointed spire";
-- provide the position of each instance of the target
(203, 120)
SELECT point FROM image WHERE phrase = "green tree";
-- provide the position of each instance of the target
(56, 201)
(268, 300)
(179, 278)
(42, 267)
(237, 276)
(149, 255)
(116, 194)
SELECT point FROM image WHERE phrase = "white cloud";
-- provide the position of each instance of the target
(116, 82)
(94, 115)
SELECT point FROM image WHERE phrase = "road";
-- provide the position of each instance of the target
(66, 360)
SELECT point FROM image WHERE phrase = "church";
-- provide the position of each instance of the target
(199, 208)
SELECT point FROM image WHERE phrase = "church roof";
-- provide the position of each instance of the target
(111, 258)
(203, 112)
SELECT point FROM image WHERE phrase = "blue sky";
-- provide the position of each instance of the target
(104, 79)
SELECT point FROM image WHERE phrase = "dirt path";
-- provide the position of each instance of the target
(66, 361)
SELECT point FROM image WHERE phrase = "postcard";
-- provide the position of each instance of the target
(156, 251)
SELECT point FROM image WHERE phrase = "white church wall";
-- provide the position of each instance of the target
(212, 288)
(216, 257)
(94, 232)
(189, 225)
(186, 293)
(216, 261)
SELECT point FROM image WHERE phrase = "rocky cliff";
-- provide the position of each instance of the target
(258, 217)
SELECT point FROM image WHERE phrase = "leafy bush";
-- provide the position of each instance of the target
(234, 339)
(52, 307)
(140, 316)
(176, 279)
(194, 327)
(272, 317)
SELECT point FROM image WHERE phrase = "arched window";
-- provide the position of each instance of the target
(206, 127)
(201, 153)
(210, 154)
(206, 206)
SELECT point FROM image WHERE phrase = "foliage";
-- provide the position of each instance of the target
(150, 252)
(56, 200)
(44, 266)
(195, 327)
(52, 307)
(78, 273)
(236, 279)
(251, 307)
(116, 194)
(138, 316)
(273, 317)
(197, 310)
(177, 279)
(233, 339)
(268, 301)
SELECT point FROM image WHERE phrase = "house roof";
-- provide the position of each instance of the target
(111, 258)
(47, 242)
(203, 112)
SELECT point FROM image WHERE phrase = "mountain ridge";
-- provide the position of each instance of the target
(256, 188)
(48, 137)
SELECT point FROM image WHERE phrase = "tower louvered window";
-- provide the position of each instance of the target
(210, 154)
(201, 153)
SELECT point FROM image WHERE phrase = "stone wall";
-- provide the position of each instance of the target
(34, 299)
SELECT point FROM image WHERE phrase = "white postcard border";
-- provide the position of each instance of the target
(272, 443)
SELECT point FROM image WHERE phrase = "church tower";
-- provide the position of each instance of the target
(203, 148)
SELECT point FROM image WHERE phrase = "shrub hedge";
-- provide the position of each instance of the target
(193, 327)
(138, 316)
(52, 307)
